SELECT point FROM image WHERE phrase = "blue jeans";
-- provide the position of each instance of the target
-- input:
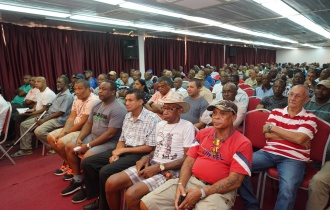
(291, 173)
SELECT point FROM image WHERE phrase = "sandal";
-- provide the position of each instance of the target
(21, 153)
(51, 152)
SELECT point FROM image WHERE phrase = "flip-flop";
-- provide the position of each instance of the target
(21, 153)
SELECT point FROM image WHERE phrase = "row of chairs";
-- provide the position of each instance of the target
(252, 129)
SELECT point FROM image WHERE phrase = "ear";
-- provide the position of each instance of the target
(234, 117)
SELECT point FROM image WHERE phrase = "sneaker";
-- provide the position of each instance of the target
(80, 196)
(92, 206)
(64, 168)
(68, 176)
(73, 187)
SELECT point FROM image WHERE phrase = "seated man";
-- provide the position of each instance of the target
(21, 92)
(197, 104)
(204, 92)
(81, 108)
(216, 164)
(173, 139)
(100, 133)
(265, 89)
(229, 92)
(277, 100)
(54, 118)
(137, 139)
(319, 189)
(164, 91)
(178, 87)
(319, 104)
(288, 132)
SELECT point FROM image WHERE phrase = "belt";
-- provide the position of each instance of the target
(206, 183)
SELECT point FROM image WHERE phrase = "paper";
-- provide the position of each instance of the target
(21, 110)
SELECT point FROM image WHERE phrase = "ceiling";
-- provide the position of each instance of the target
(246, 14)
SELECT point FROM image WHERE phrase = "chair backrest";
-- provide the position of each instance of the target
(320, 141)
(6, 124)
(249, 91)
(243, 86)
(252, 127)
(253, 103)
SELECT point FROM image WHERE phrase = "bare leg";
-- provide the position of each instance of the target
(73, 159)
(113, 187)
(59, 147)
(134, 194)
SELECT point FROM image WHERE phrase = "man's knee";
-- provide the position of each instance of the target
(112, 183)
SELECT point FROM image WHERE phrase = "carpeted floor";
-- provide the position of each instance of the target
(31, 185)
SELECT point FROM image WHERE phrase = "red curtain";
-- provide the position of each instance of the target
(265, 56)
(50, 52)
(163, 53)
(242, 56)
(199, 53)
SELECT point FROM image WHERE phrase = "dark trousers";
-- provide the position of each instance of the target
(97, 170)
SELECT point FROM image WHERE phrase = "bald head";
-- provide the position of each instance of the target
(40, 83)
(177, 82)
(229, 91)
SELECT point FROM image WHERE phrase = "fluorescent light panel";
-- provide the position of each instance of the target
(33, 11)
(285, 10)
(113, 2)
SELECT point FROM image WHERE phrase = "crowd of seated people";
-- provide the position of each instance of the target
(115, 133)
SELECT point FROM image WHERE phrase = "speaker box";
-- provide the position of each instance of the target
(130, 48)
(232, 51)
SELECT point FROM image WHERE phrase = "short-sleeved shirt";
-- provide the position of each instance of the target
(207, 94)
(181, 91)
(241, 96)
(234, 155)
(261, 91)
(155, 98)
(171, 139)
(141, 131)
(83, 107)
(32, 94)
(252, 83)
(93, 82)
(105, 117)
(321, 111)
(303, 122)
(270, 103)
(197, 108)
(62, 103)
(19, 99)
(44, 97)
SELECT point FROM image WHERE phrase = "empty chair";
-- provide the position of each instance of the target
(253, 103)
(249, 91)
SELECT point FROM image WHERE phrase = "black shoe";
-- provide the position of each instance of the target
(67, 177)
(92, 206)
(73, 187)
(80, 196)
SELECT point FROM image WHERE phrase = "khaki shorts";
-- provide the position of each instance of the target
(163, 197)
(65, 139)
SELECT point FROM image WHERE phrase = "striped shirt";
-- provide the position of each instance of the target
(141, 131)
(303, 122)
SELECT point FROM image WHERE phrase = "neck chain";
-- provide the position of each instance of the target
(171, 129)
(215, 148)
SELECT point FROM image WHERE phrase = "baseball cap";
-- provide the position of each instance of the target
(224, 105)
(198, 76)
(89, 71)
(150, 71)
(325, 82)
(176, 98)
(79, 76)
(112, 73)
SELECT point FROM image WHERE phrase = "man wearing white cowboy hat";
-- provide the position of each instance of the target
(173, 139)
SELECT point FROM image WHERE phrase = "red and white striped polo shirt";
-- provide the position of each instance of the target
(303, 122)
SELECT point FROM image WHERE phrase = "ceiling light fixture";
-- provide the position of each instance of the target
(33, 11)
(309, 45)
(285, 10)
(101, 20)
(113, 2)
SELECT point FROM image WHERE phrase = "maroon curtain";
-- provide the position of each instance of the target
(242, 56)
(49, 52)
(199, 53)
(265, 56)
(163, 53)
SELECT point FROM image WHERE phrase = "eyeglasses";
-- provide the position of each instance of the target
(170, 109)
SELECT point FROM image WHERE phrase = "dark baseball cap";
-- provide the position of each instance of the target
(79, 76)
(224, 105)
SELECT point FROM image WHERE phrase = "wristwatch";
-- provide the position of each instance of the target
(162, 167)
(150, 104)
(269, 127)
(89, 146)
(203, 194)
